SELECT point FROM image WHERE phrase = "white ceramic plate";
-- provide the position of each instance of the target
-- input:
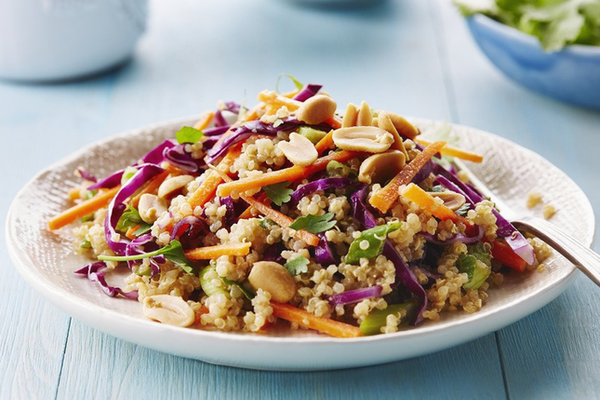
(46, 261)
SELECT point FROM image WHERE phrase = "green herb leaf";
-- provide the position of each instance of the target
(249, 295)
(85, 244)
(130, 219)
(297, 265)
(297, 83)
(172, 252)
(314, 223)
(477, 264)
(187, 134)
(278, 193)
(370, 242)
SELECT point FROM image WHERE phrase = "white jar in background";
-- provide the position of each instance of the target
(45, 40)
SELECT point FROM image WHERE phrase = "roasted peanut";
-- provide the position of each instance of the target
(363, 138)
(384, 122)
(365, 115)
(172, 185)
(317, 109)
(452, 200)
(381, 167)
(151, 207)
(350, 116)
(299, 150)
(170, 310)
(273, 278)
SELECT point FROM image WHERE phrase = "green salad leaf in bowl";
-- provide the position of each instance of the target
(556, 23)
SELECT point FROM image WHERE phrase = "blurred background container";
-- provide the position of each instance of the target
(44, 40)
(571, 75)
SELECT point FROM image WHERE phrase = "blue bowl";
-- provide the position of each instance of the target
(571, 75)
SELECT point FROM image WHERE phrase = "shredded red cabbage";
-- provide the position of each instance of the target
(403, 273)
(307, 92)
(321, 184)
(506, 230)
(92, 271)
(217, 131)
(273, 253)
(354, 296)
(180, 158)
(156, 155)
(109, 182)
(86, 175)
(190, 231)
(324, 254)
(116, 206)
(141, 245)
(250, 128)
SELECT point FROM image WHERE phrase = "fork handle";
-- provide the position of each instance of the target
(583, 258)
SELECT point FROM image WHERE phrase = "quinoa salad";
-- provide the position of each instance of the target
(291, 214)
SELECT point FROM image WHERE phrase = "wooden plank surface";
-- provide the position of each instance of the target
(415, 57)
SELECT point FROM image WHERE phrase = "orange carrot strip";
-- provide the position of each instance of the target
(82, 209)
(308, 320)
(326, 143)
(207, 189)
(454, 152)
(263, 198)
(130, 234)
(335, 122)
(290, 174)
(151, 187)
(281, 220)
(213, 252)
(385, 197)
(426, 201)
(204, 120)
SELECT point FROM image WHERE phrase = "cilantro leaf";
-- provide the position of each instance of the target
(187, 134)
(278, 193)
(297, 83)
(297, 265)
(130, 219)
(172, 252)
(314, 223)
(249, 295)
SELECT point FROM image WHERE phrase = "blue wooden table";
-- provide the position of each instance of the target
(415, 57)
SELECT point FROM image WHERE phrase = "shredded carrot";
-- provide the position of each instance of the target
(426, 201)
(385, 197)
(335, 122)
(207, 189)
(309, 320)
(326, 143)
(454, 152)
(281, 220)
(130, 234)
(82, 209)
(150, 187)
(290, 174)
(263, 198)
(213, 252)
(205, 120)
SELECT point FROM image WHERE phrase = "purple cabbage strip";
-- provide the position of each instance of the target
(273, 253)
(433, 276)
(180, 158)
(92, 271)
(145, 241)
(116, 206)
(403, 273)
(354, 296)
(109, 182)
(324, 254)
(250, 128)
(442, 180)
(321, 184)
(459, 237)
(190, 231)
(219, 120)
(86, 175)
(154, 156)
(307, 92)
(217, 131)
(506, 230)
(234, 209)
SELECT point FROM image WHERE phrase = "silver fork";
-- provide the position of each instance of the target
(583, 258)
